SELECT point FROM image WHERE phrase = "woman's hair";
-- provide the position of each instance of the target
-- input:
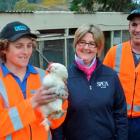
(95, 31)
(4, 45)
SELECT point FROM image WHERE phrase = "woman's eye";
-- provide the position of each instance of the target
(18, 46)
(30, 45)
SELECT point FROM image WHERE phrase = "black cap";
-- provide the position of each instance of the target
(15, 30)
(134, 13)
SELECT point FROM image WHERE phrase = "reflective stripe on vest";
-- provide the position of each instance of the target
(15, 118)
(118, 58)
(13, 113)
(117, 69)
(128, 107)
(49, 135)
(9, 137)
(4, 94)
(136, 108)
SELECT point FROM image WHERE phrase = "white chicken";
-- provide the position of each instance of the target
(56, 81)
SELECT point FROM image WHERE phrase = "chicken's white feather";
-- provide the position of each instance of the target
(56, 81)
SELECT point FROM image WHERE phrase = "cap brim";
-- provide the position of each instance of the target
(17, 36)
(131, 16)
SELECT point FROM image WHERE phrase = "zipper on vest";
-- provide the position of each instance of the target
(30, 132)
(136, 75)
(90, 87)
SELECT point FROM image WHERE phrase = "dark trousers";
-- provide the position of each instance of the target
(134, 128)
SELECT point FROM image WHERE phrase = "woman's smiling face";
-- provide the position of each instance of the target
(86, 48)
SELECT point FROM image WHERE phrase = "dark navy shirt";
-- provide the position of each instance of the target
(97, 108)
(22, 84)
(136, 58)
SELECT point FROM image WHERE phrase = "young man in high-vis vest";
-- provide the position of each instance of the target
(125, 59)
(21, 93)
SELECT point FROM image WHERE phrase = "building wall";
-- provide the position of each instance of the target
(56, 29)
(61, 19)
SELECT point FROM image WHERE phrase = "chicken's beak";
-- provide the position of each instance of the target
(49, 68)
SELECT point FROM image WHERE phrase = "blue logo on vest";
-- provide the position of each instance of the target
(32, 91)
(20, 28)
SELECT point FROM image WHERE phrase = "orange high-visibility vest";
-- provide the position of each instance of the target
(120, 58)
(18, 120)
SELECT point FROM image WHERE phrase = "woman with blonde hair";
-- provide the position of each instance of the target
(97, 107)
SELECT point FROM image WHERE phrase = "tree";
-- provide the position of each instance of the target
(53, 2)
(34, 1)
(103, 5)
(23, 5)
(2, 5)
(75, 5)
(7, 5)
(82, 5)
(88, 4)
(118, 6)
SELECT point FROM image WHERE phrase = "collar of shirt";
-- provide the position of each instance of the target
(22, 84)
(136, 59)
(5, 70)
